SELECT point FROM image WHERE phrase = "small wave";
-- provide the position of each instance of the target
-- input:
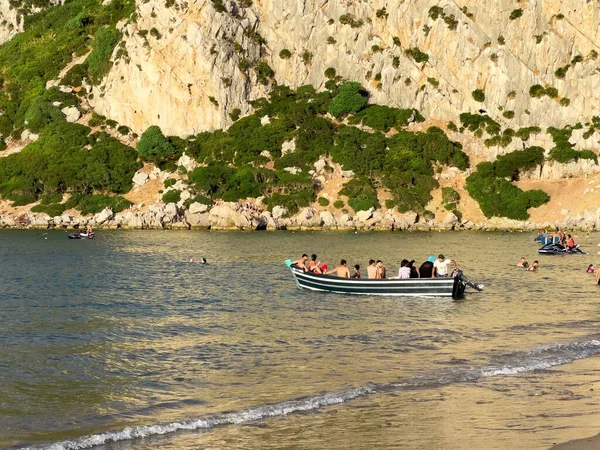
(539, 358)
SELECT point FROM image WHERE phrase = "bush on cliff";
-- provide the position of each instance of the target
(498, 197)
(59, 162)
(153, 146)
(512, 164)
(47, 45)
(383, 118)
(351, 98)
(361, 194)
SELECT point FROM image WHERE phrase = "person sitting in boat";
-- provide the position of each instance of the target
(523, 263)
(426, 269)
(341, 270)
(440, 267)
(590, 269)
(372, 270)
(403, 272)
(323, 269)
(534, 267)
(542, 237)
(356, 273)
(301, 263)
(414, 272)
(570, 242)
(313, 263)
(380, 270)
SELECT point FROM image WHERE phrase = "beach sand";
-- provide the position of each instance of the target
(592, 443)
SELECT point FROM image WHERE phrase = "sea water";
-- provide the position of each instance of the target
(120, 342)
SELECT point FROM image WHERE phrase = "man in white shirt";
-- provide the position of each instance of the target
(440, 267)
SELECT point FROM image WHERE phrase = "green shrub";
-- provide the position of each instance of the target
(330, 73)
(339, 204)
(498, 197)
(349, 19)
(515, 14)
(351, 98)
(508, 114)
(478, 95)
(173, 196)
(154, 146)
(417, 55)
(53, 209)
(565, 102)
(41, 113)
(235, 114)
(307, 57)
(561, 72)
(98, 61)
(449, 195)
(323, 201)
(452, 126)
(285, 54)
(512, 164)
(75, 75)
(93, 204)
(383, 118)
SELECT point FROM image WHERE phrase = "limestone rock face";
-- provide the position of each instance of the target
(189, 79)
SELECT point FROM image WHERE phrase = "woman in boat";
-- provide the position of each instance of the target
(403, 272)
(356, 273)
(313, 263)
(414, 272)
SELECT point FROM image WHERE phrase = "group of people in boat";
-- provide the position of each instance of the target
(559, 237)
(432, 268)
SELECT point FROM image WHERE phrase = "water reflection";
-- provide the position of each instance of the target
(97, 335)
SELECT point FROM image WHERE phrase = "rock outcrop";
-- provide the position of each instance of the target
(190, 75)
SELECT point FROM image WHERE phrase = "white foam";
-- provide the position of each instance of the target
(238, 417)
(542, 357)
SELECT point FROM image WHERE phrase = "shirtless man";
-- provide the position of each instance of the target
(372, 270)
(341, 270)
(534, 267)
(380, 270)
(523, 263)
(301, 263)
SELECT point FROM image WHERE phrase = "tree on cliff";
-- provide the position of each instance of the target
(154, 146)
(351, 98)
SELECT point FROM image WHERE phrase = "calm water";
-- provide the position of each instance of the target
(119, 343)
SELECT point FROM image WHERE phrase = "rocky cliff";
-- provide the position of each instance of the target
(185, 74)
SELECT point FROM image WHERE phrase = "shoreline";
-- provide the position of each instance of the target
(589, 443)
(230, 217)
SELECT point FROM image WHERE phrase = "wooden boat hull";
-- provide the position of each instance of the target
(412, 287)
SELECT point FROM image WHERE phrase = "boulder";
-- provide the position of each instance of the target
(293, 170)
(288, 146)
(103, 216)
(279, 212)
(327, 219)
(198, 208)
(265, 120)
(226, 216)
(65, 89)
(188, 163)
(347, 173)
(27, 135)
(140, 178)
(450, 219)
(363, 216)
(185, 195)
(410, 217)
(320, 165)
(71, 113)
(198, 220)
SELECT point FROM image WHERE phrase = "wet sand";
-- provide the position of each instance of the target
(592, 443)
